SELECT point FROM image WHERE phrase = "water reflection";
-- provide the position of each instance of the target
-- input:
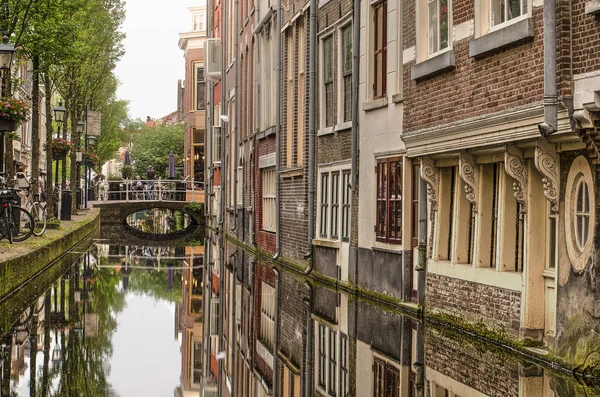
(159, 221)
(282, 334)
(128, 320)
(107, 326)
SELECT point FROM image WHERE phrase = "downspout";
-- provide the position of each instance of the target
(278, 138)
(223, 21)
(234, 321)
(312, 62)
(234, 149)
(421, 267)
(550, 124)
(207, 304)
(355, 79)
(276, 329)
(308, 374)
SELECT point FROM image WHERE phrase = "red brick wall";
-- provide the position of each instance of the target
(192, 56)
(264, 239)
(503, 80)
(586, 39)
(498, 308)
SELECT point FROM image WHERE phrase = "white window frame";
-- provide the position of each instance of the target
(483, 17)
(324, 209)
(267, 315)
(324, 128)
(340, 59)
(269, 202)
(423, 37)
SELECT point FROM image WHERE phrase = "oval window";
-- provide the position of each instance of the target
(582, 214)
(159, 221)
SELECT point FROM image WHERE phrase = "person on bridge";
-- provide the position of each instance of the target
(138, 185)
(151, 174)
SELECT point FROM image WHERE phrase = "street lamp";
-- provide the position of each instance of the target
(59, 116)
(6, 55)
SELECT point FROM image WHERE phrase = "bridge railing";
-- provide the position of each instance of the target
(157, 189)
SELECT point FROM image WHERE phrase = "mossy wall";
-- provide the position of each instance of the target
(16, 271)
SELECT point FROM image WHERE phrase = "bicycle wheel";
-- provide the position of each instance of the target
(22, 229)
(38, 212)
(5, 228)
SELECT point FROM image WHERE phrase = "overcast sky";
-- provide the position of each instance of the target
(153, 62)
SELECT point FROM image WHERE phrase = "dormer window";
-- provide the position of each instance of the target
(199, 22)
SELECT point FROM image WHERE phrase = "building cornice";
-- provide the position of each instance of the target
(499, 128)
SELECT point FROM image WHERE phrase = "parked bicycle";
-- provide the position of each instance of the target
(16, 224)
(32, 204)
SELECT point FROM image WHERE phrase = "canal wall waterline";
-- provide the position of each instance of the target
(479, 331)
(16, 271)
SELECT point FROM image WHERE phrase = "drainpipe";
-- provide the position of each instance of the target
(419, 364)
(355, 71)
(276, 330)
(312, 62)
(278, 138)
(308, 387)
(234, 149)
(207, 300)
(550, 124)
(234, 321)
(421, 267)
(221, 229)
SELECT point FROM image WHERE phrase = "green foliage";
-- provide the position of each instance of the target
(126, 171)
(151, 147)
(154, 283)
(195, 207)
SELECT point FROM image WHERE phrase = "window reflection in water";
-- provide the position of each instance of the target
(159, 221)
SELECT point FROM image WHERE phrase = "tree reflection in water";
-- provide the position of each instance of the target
(63, 343)
(158, 221)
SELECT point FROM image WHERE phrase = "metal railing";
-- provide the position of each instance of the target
(150, 190)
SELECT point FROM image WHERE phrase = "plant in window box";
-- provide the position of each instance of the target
(443, 24)
(13, 112)
(60, 148)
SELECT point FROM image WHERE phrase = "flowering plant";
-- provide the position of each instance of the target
(91, 156)
(14, 109)
(61, 145)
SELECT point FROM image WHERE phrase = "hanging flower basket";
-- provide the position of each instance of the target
(7, 125)
(59, 154)
(12, 113)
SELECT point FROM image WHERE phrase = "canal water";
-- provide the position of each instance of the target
(116, 320)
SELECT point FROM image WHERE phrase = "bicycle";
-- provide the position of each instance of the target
(16, 224)
(35, 208)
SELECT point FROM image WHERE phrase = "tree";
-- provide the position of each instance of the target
(152, 145)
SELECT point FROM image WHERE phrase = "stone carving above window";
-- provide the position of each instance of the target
(515, 167)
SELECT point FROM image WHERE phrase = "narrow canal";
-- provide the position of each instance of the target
(123, 320)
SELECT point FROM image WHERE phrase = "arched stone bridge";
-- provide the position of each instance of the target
(114, 226)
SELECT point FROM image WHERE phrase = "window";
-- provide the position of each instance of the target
(379, 49)
(582, 215)
(290, 154)
(346, 205)
(505, 10)
(301, 91)
(332, 363)
(414, 205)
(437, 32)
(199, 24)
(268, 199)
(388, 226)
(267, 315)
(334, 206)
(214, 315)
(322, 354)
(346, 49)
(216, 144)
(343, 365)
(200, 89)
(328, 79)
(386, 379)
